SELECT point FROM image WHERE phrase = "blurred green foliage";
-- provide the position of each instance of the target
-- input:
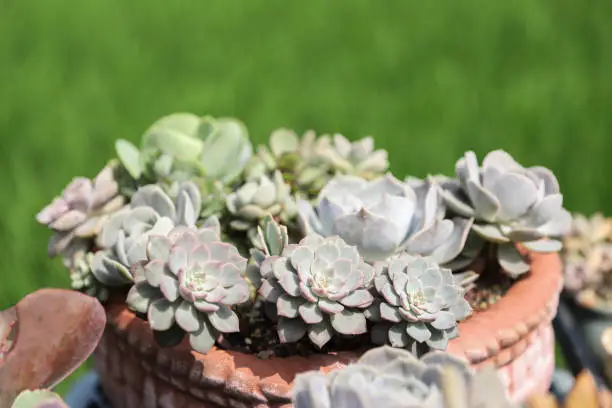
(427, 79)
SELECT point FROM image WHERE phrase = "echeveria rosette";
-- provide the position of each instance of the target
(82, 210)
(418, 301)
(320, 286)
(190, 280)
(182, 146)
(256, 199)
(355, 158)
(509, 204)
(124, 238)
(381, 217)
(386, 377)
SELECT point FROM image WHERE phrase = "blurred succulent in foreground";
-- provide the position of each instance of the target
(125, 236)
(381, 217)
(319, 286)
(392, 378)
(82, 210)
(587, 256)
(38, 399)
(43, 339)
(182, 146)
(191, 279)
(256, 199)
(510, 204)
(419, 301)
(584, 394)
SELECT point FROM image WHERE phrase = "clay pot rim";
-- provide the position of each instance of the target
(527, 303)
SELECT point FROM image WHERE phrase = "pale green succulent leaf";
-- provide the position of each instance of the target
(129, 155)
(38, 399)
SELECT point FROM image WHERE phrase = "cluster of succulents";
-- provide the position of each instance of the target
(197, 229)
(587, 256)
(387, 377)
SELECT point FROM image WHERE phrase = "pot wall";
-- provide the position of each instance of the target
(515, 335)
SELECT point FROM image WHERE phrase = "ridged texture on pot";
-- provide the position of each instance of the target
(135, 372)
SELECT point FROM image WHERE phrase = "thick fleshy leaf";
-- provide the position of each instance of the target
(169, 286)
(204, 339)
(427, 240)
(188, 318)
(283, 141)
(490, 232)
(129, 155)
(289, 282)
(177, 259)
(438, 340)
(330, 306)
(418, 331)
(485, 203)
(360, 298)
(390, 313)
(58, 329)
(456, 205)
(444, 320)
(511, 261)
(153, 196)
(109, 271)
(204, 306)
(287, 306)
(38, 399)
(290, 330)
(376, 237)
(398, 337)
(154, 271)
(348, 322)
(224, 320)
(320, 333)
(161, 315)
(141, 295)
(68, 221)
(158, 247)
(544, 245)
(516, 193)
(310, 313)
(453, 246)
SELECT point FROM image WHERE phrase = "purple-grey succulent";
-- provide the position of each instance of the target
(381, 217)
(82, 210)
(320, 287)
(190, 280)
(386, 377)
(509, 204)
(123, 240)
(418, 302)
(272, 241)
(79, 261)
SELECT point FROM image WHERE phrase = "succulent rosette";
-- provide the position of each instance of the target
(183, 146)
(124, 238)
(381, 217)
(190, 280)
(509, 204)
(82, 210)
(320, 287)
(386, 377)
(355, 158)
(419, 301)
(256, 199)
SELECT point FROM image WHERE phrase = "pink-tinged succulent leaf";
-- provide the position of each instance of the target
(56, 331)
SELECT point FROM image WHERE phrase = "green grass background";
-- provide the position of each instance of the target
(428, 79)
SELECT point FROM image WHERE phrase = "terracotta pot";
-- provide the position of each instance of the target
(514, 335)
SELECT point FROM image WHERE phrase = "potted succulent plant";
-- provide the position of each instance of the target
(227, 270)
